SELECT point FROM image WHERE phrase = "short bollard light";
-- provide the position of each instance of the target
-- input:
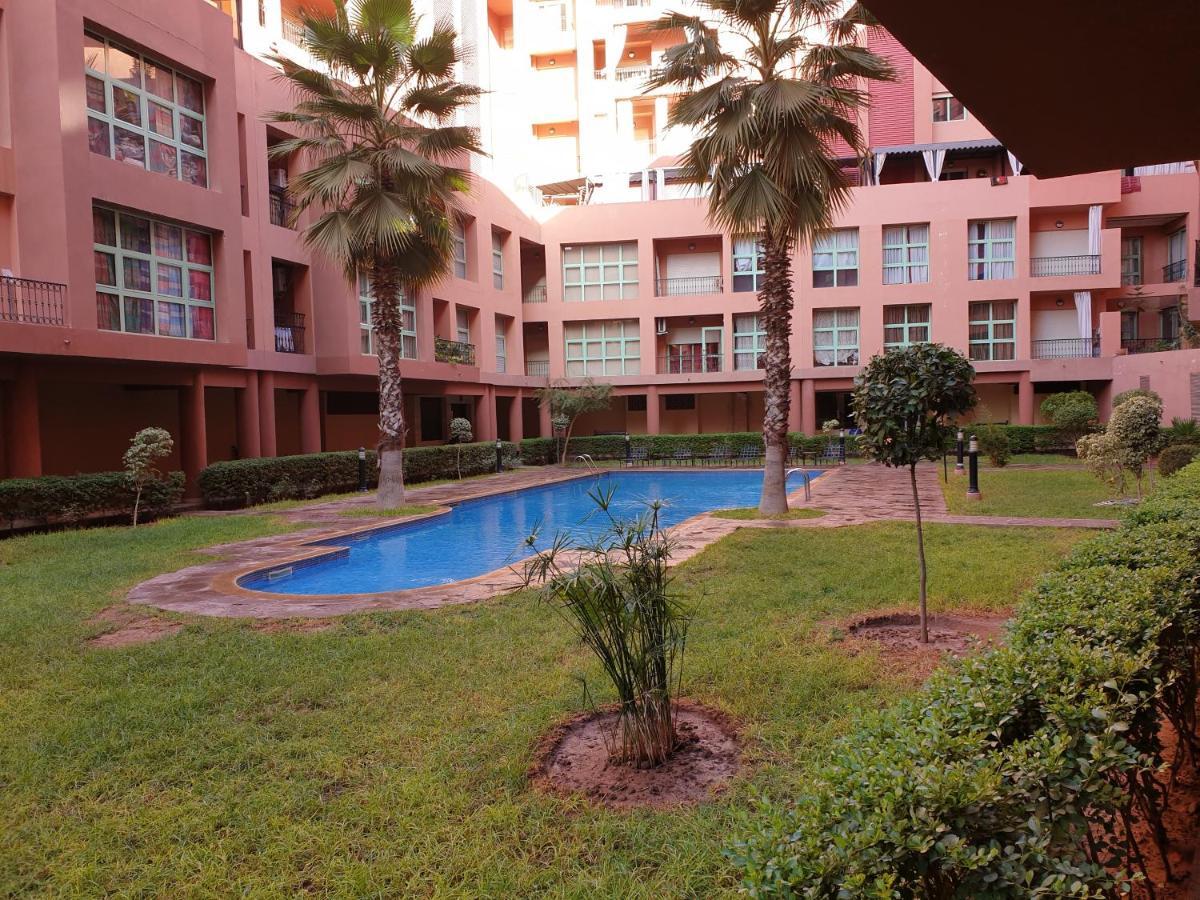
(628, 451)
(958, 455)
(499, 456)
(842, 445)
(973, 470)
(362, 469)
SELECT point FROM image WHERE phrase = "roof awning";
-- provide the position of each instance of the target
(949, 146)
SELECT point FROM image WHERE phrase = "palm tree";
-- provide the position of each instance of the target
(771, 88)
(385, 163)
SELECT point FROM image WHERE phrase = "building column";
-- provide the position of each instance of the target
(249, 437)
(193, 445)
(485, 413)
(266, 413)
(808, 406)
(652, 409)
(516, 421)
(22, 427)
(794, 406)
(310, 419)
(545, 428)
(1025, 399)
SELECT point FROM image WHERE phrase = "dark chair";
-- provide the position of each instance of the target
(797, 455)
(639, 456)
(682, 455)
(719, 455)
(834, 454)
(749, 453)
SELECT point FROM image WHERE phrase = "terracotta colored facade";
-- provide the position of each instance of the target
(174, 225)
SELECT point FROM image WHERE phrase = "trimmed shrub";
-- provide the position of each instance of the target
(75, 497)
(1016, 774)
(994, 444)
(540, 451)
(1176, 456)
(247, 482)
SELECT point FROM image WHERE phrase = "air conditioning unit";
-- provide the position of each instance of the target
(660, 325)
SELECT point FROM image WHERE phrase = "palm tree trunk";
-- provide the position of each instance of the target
(912, 473)
(386, 329)
(775, 304)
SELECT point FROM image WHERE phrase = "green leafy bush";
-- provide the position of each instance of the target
(1176, 456)
(1074, 412)
(75, 497)
(994, 444)
(1182, 431)
(246, 482)
(540, 451)
(1015, 774)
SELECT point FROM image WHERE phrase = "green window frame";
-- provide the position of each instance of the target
(991, 249)
(408, 321)
(748, 265)
(992, 330)
(835, 258)
(603, 347)
(835, 336)
(600, 271)
(1131, 260)
(906, 254)
(906, 324)
(152, 276)
(749, 342)
(143, 112)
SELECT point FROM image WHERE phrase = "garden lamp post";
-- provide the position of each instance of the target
(362, 469)
(958, 451)
(842, 445)
(499, 456)
(973, 462)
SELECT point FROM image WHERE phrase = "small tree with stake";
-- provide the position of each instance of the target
(568, 402)
(460, 433)
(147, 447)
(902, 401)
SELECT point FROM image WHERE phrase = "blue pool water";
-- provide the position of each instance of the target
(479, 536)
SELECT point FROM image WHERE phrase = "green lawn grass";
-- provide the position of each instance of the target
(386, 755)
(1031, 492)
(370, 511)
(1041, 459)
(751, 512)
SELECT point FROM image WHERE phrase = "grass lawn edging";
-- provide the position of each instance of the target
(987, 782)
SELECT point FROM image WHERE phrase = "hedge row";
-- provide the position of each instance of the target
(540, 451)
(246, 482)
(1016, 774)
(72, 498)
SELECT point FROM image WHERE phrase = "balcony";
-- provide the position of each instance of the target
(536, 294)
(1174, 271)
(289, 332)
(293, 31)
(1149, 345)
(689, 364)
(30, 302)
(1066, 348)
(537, 368)
(454, 352)
(692, 284)
(632, 73)
(281, 207)
(1042, 266)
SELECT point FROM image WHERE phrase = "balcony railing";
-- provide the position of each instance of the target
(293, 31)
(281, 207)
(32, 302)
(695, 364)
(624, 4)
(1149, 345)
(289, 332)
(455, 352)
(1175, 271)
(1066, 348)
(537, 368)
(1064, 265)
(536, 294)
(632, 73)
(692, 284)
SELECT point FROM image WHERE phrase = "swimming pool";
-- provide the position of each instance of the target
(480, 536)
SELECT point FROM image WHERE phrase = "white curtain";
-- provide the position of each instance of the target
(1094, 213)
(1014, 163)
(934, 159)
(613, 48)
(1083, 312)
(1174, 168)
(877, 165)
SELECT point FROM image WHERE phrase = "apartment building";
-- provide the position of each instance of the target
(150, 274)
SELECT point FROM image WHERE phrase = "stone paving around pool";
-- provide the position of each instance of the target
(850, 495)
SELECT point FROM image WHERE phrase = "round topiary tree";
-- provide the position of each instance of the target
(460, 433)
(1074, 413)
(146, 448)
(902, 401)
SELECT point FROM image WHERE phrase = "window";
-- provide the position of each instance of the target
(603, 348)
(501, 345)
(749, 342)
(458, 237)
(905, 325)
(497, 260)
(152, 277)
(1131, 260)
(993, 330)
(905, 254)
(1168, 323)
(991, 249)
(1176, 268)
(462, 325)
(948, 108)
(600, 272)
(635, 403)
(144, 113)
(1129, 325)
(678, 402)
(835, 258)
(835, 337)
(408, 321)
(747, 265)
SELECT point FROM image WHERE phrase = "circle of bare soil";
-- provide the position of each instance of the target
(950, 633)
(573, 759)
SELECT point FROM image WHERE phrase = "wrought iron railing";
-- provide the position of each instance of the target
(280, 207)
(32, 302)
(289, 332)
(537, 368)
(536, 294)
(694, 364)
(623, 4)
(456, 352)
(293, 31)
(1064, 265)
(1175, 271)
(1149, 345)
(1066, 348)
(692, 284)
(600, 74)
(631, 73)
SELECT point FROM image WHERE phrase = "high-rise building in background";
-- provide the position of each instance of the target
(151, 276)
